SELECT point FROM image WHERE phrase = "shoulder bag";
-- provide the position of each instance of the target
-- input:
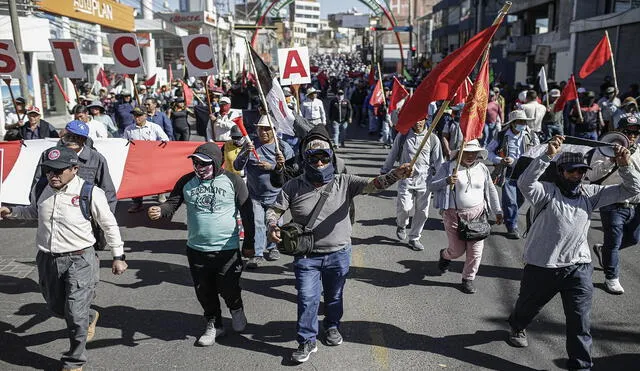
(476, 229)
(297, 239)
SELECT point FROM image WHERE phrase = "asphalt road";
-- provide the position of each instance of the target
(400, 314)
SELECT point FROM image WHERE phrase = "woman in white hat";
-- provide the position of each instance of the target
(473, 192)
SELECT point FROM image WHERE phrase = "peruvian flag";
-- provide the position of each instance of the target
(599, 56)
(398, 93)
(475, 110)
(139, 168)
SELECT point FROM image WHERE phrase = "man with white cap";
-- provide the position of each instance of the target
(220, 124)
(504, 152)
(261, 191)
(313, 108)
(553, 122)
(609, 104)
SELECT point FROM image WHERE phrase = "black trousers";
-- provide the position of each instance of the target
(216, 273)
(182, 133)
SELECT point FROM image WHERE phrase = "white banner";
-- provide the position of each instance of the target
(294, 66)
(126, 53)
(67, 57)
(9, 62)
(199, 55)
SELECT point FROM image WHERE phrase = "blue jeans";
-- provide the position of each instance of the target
(551, 129)
(260, 239)
(593, 135)
(339, 132)
(315, 274)
(374, 122)
(512, 199)
(539, 285)
(293, 141)
(489, 132)
(621, 227)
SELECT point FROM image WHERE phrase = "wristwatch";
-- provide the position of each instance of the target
(121, 257)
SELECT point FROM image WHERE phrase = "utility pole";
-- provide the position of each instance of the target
(410, 59)
(17, 40)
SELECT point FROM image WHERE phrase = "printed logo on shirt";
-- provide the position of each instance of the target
(75, 201)
(204, 196)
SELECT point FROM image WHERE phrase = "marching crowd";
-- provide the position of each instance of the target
(256, 180)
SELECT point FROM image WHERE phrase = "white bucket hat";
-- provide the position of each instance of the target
(472, 146)
(518, 114)
(311, 91)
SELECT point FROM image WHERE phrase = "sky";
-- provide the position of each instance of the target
(326, 6)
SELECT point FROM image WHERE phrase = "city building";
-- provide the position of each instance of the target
(307, 12)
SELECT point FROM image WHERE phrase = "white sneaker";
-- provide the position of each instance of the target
(238, 320)
(613, 286)
(210, 334)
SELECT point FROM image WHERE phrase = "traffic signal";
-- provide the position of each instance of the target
(413, 51)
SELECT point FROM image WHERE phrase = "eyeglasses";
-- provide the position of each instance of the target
(49, 170)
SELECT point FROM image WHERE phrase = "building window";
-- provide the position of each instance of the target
(623, 5)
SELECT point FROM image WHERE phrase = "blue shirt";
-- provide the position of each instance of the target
(211, 214)
(163, 121)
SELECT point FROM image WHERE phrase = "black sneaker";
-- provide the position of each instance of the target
(304, 351)
(467, 287)
(513, 234)
(443, 264)
(332, 337)
(518, 338)
(272, 255)
(597, 251)
(255, 262)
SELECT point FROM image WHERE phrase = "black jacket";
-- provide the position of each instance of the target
(46, 130)
(340, 111)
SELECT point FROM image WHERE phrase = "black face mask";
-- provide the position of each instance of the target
(319, 176)
(570, 189)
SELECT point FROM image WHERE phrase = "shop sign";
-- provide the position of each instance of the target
(103, 12)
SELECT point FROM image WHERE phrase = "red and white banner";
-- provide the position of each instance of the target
(294, 66)
(67, 57)
(199, 55)
(126, 53)
(140, 168)
(9, 62)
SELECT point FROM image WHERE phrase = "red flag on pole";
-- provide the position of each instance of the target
(568, 93)
(377, 97)
(372, 76)
(398, 92)
(102, 78)
(322, 79)
(599, 56)
(443, 81)
(170, 75)
(462, 92)
(150, 81)
(475, 110)
(187, 93)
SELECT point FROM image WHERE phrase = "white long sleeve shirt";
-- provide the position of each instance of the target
(150, 131)
(61, 226)
(313, 110)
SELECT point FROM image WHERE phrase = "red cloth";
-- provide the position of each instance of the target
(568, 93)
(599, 56)
(475, 110)
(187, 94)
(102, 78)
(377, 97)
(398, 92)
(322, 79)
(150, 81)
(443, 81)
(494, 112)
(462, 92)
(372, 76)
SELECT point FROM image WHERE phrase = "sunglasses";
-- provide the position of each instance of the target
(581, 170)
(200, 163)
(49, 170)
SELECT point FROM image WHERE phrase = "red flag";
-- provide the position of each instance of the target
(443, 81)
(462, 92)
(64, 93)
(475, 110)
(314, 69)
(170, 75)
(398, 92)
(211, 83)
(187, 94)
(377, 97)
(568, 93)
(150, 81)
(102, 78)
(372, 76)
(322, 79)
(599, 56)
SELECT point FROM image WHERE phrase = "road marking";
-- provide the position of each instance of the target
(378, 347)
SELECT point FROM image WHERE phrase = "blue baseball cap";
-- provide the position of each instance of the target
(78, 127)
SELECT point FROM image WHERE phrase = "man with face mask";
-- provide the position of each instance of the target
(340, 113)
(412, 192)
(214, 198)
(504, 151)
(326, 268)
(67, 263)
(620, 221)
(219, 128)
(556, 254)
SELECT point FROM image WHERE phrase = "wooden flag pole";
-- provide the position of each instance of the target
(384, 100)
(296, 95)
(613, 63)
(13, 101)
(262, 97)
(75, 89)
(206, 89)
(434, 123)
(135, 88)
